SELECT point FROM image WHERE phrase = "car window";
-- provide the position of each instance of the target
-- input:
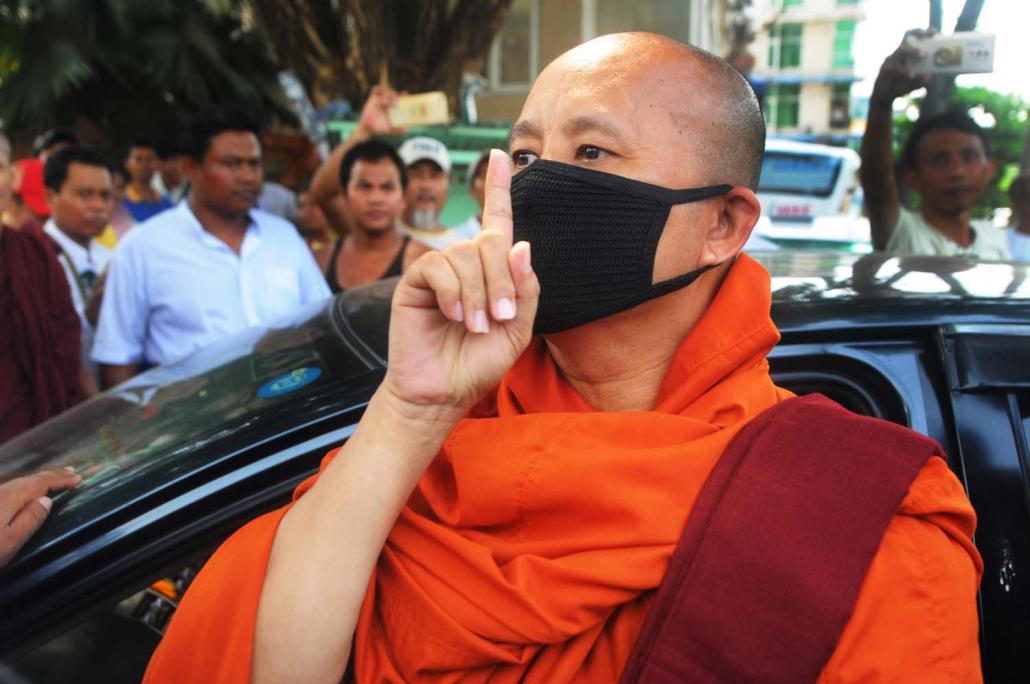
(799, 174)
(175, 410)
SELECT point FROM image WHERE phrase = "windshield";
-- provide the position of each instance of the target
(799, 174)
(175, 410)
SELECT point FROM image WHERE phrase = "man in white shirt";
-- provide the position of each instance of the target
(210, 267)
(169, 181)
(945, 160)
(80, 195)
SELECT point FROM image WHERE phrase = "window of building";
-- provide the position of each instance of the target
(788, 3)
(783, 105)
(514, 54)
(667, 17)
(842, 42)
(840, 105)
(784, 46)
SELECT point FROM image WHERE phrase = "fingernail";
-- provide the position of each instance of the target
(45, 502)
(459, 312)
(527, 261)
(70, 469)
(480, 324)
(505, 309)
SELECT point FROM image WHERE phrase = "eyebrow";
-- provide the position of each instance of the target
(587, 124)
(574, 126)
(524, 129)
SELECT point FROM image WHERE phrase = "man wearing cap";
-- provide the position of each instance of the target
(429, 171)
(28, 210)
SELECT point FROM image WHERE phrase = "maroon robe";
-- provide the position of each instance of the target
(39, 335)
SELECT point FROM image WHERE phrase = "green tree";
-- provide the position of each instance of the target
(339, 48)
(1005, 116)
(115, 70)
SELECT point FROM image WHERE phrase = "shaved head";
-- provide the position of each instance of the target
(705, 98)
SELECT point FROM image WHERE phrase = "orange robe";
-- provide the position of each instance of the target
(531, 547)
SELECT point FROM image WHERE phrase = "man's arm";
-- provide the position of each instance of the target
(460, 318)
(111, 375)
(877, 172)
(374, 121)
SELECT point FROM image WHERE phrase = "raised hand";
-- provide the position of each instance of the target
(24, 505)
(896, 77)
(375, 118)
(462, 316)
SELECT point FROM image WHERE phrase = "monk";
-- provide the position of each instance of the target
(510, 501)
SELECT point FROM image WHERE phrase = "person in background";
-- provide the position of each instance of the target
(169, 181)
(373, 177)
(80, 195)
(1019, 228)
(429, 181)
(141, 199)
(210, 267)
(945, 160)
(278, 199)
(121, 220)
(313, 225)
(40, 355)
(51, 141)
(28, 209)
(476, 180)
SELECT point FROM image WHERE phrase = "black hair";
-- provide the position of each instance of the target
(53, 137)
(55, 172)
(371, 151)
(203, 128)
(955, 121)
(168, 146)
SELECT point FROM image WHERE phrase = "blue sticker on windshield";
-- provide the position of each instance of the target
(289, 382)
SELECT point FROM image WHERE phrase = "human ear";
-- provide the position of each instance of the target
(737, 213)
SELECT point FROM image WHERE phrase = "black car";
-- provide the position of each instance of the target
(181, 456)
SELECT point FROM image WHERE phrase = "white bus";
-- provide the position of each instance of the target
(811, 197)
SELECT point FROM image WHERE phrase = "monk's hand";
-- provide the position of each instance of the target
(24, 505)
(462, 316)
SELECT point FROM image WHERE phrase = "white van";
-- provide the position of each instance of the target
(811, 198)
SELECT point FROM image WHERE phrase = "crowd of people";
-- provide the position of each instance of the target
(186, 242)
(530, 549)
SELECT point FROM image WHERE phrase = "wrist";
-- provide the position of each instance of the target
(360, 133)
(434, 421)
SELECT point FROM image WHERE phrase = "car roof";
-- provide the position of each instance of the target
(807, 276)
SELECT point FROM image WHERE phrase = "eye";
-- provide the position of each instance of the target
(591, 153)
(523, 158)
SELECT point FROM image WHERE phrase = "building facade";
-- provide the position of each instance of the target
(804, 66)
(537, 31)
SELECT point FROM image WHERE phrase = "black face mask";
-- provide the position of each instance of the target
(594, 237)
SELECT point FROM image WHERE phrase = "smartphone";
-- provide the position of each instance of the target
(423, 109)
(966, 52)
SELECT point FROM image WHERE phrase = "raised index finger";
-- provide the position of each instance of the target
(497, 196)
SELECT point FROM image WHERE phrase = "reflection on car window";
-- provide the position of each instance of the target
(176, 409)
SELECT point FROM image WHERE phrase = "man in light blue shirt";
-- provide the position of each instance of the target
(210, 267)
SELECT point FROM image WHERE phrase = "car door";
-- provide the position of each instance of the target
(987, 369)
